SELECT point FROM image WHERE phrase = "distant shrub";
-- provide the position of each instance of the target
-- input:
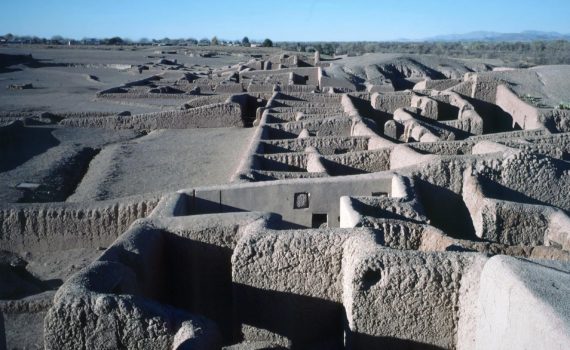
(534, 100)
(267, 43)
(115, 41)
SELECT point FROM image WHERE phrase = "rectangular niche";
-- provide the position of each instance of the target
(301, 200)
(319, 220)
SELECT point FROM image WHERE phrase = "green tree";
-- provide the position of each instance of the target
(245, 42)
(214, 41)
(115, 41)
(267, 43)
(57, 39)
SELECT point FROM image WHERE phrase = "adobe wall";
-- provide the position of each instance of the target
(310, 97)
(201, 101)
(57, 226)
(111, 303)
(440, 85)
(296, 302)
(337, 126)
(270, 175)
(525, 115)
(516, 310)
(210, 116)
(358, 162)
(311, 72)
(281, 161)
(325, 145)
(435, 285)
(298, 88)
(295, 200)
(510, 222)
(390, 102)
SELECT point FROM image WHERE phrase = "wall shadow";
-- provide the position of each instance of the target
(365, 109)
(18, 144)
(308, 322)
(337, 169)
(446, 210)
(199, 280)
(494, 118)
(366, 341)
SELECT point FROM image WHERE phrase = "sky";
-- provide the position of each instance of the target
(301, 20)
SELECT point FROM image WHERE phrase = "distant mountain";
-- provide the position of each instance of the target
(529, 35)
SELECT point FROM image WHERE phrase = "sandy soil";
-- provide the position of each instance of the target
(550, 84)
(61, 81)
(25, 330)
(50, 156)
(164, 160)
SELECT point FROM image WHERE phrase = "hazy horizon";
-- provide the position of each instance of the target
(316, 20)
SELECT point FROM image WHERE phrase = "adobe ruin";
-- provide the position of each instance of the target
(409, 209)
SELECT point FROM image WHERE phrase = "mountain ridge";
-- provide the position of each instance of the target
(527, 35)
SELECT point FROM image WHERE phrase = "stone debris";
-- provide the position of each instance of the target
(26, 86)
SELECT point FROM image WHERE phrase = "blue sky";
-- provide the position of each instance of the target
(302, 20)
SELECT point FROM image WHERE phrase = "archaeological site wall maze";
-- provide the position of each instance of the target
(408, 209)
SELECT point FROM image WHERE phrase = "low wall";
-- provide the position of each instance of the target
(201, 101)
(281, 162)
(442, 84)
(325, 145)
(57, 226)
(295, 200)
(358, 162)
(436, 287)
(404, 156)
(231, 88)
(312, 74)
(336, 98)
(525, 115)
(333, 126)
(443, 147)
(269, 175)
(298, 88)
(389, 102)
(296, 302)
(513, 223)
(211, 116)
(523, 304)
(112, 303)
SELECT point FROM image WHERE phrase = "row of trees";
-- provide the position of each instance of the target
(519, 54)
(514, 53)
(244, 42)
(60, 40)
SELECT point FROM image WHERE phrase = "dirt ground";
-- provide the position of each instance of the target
(61, 82)
(164, 160)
